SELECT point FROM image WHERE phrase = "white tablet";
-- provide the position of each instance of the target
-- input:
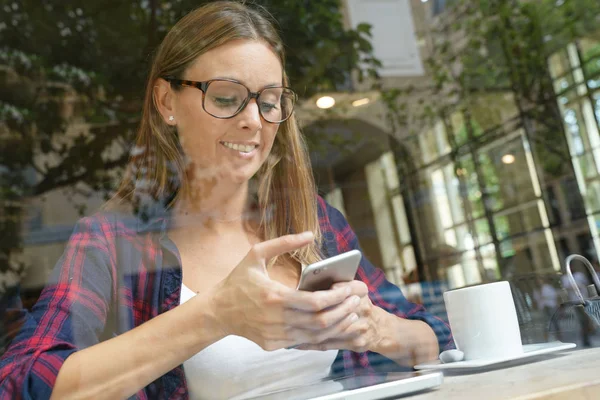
(367, 386)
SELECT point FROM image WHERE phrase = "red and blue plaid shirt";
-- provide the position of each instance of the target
(117, 273)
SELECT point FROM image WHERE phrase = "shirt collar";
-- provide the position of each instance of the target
(153, 217)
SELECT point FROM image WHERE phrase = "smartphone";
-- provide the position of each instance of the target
(321, 275)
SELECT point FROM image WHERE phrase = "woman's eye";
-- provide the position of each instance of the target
(225, 101)
(268, 106)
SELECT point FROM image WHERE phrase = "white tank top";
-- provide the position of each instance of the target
(237, 368)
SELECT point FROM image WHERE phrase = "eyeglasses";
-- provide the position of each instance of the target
(226, 98)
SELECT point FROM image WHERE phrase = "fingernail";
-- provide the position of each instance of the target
(353, 317)
(306, 235)
(347, 291)
(356, 300)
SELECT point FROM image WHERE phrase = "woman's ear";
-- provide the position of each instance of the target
(164, 99)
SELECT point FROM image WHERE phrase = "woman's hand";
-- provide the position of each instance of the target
(406, 341)
(249, 304)
(364, 333)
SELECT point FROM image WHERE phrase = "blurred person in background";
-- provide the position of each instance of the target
(185, 284)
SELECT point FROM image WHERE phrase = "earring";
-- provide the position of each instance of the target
(171, 118)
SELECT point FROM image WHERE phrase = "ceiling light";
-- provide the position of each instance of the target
(325, 102)
(508, 159)
(361, 102)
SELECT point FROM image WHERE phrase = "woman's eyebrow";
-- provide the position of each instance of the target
(226, 77)
(279, 84)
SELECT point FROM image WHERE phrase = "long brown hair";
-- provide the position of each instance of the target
(157, 169)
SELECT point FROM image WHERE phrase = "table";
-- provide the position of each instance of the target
(568, 375)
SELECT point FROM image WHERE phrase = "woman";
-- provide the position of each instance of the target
(198, 298)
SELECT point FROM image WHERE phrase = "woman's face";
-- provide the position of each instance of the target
(207, 141)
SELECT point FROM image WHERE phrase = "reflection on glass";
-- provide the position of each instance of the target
(409, 259)
(490, 110)
(470, 268)
(443, 146)
(453, 191)
(596, 218)
(524, 219)
(592, 71)
(490, 262)
(414, 150)
(507, 185)
(459, 238)
(525, 254)
(390, 171)
(434, 143)
(440, 196)
(470, 190)
(574, 136)
(591, 128)
(483, 231)
(559, 64)
(592, 197)
(567, 97)
(542, 253)
(554, 211)
(455, 276)
(570, 191)
(464, 273)
(597, 105)
(428, 146)
(590, 48)
(586, 165)
(462, 132)
(458, 128)
(562, 84)
(502, 227)
(401, 221)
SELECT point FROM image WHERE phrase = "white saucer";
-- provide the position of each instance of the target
(529, 350)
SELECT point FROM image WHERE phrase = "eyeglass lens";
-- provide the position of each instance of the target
(223, 99)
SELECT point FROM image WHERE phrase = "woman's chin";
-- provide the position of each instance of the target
(243, 175)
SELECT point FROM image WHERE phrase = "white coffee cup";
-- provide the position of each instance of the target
(484, 321)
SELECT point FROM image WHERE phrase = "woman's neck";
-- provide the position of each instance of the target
(221, 207)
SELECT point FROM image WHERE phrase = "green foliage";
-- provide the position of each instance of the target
(501, 46)
(83, 63)
(116, 39)
(482, 55)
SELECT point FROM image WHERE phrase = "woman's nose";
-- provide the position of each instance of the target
(250, 116)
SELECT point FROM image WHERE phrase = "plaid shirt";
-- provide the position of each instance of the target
(117, 273)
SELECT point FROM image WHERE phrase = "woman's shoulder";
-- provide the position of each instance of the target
(120, 241)
(337, 234)
(110, 225)
(329, 216)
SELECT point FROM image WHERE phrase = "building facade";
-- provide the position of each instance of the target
(494, 185)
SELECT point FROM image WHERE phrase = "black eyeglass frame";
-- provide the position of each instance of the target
(203, 87)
